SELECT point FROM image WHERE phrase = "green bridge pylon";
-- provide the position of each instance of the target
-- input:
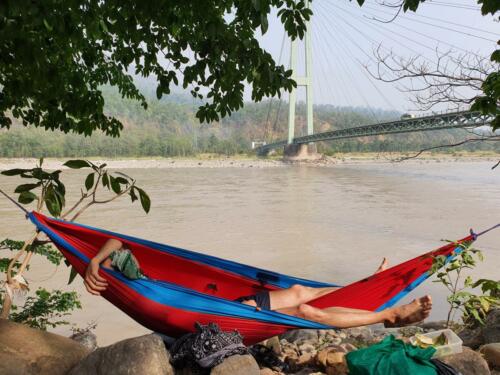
(305, 80)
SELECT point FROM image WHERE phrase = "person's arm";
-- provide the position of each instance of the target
(95, 283)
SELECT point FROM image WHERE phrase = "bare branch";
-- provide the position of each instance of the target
(493, 138)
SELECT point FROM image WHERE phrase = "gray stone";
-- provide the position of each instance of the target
(472, 337)
(433, 326)
(300, 335)
(237, 365)
(491, 353)
(28, 351)
(274, 344)
(140, 355)
(86, 338)
(491, 330)
(468, 362)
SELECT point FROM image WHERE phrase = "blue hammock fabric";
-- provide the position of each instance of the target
(184, 287)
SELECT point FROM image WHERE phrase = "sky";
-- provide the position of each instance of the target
(344, 37)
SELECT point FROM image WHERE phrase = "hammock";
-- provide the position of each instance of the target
(184, 287)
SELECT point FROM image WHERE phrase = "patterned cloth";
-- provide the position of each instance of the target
(124, 261)
(208, 346)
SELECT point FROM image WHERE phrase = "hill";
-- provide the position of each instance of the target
(169, 128)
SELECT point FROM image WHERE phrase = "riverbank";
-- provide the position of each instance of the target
(252, 161)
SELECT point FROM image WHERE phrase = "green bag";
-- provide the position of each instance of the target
(124, 261)
(391, 357)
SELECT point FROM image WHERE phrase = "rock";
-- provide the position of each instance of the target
(433, 326)
(468, 362)
(359, 333)
(491, 330)
(307, 348)
(410, 331)
(348, 347)
(491, 353)
(336, 364)
(305, 371)
(139, 355)
(274, 344)
(267, 371)
(86, 338)
(329, 357)
(472, 337)
(237, 365)
(300, 335)
(26, 351)
(305, 359)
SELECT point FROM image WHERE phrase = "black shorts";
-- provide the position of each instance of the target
(262, 300)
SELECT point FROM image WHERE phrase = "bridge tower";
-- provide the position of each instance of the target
(305, 81)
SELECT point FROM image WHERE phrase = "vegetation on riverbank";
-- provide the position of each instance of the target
(169, 128)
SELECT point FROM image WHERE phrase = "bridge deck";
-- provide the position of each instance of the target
(450, 120)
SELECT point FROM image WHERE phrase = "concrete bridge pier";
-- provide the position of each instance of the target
(303, 151)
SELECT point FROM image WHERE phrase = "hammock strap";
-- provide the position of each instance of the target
(476, 235)
(16, 203)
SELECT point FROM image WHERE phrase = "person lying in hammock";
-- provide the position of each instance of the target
(292, 301)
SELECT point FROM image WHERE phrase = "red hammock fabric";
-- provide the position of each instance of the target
(185, 291)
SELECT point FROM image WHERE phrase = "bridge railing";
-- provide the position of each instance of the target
(435, 121)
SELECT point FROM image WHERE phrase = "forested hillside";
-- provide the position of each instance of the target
(169, 128)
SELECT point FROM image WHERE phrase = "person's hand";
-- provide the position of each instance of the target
(94, 283)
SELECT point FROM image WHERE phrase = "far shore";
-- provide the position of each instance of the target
(252, 161)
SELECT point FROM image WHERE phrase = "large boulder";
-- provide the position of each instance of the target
(468, 362)
(27, 351)
(140, 355)
(472, 337)
(491, 330)
(491, 353)
(237, 365)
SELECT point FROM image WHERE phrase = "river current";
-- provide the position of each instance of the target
(331, 223)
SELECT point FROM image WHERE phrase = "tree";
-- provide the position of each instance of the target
(440, 85)
(46, 190)
(56, 54)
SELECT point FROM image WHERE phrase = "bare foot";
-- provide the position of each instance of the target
(413, 312)
(383, 266)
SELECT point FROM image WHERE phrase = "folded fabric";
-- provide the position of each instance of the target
(391, 357)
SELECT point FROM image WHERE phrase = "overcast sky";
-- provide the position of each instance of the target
(345, 35)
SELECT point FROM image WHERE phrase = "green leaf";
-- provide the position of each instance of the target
(89, 181)
(115, 186)
(26, 187)
(26, 197)
(52, 201)
(145, 201)
(14, 172)
(72, 274)
(77, 164)
(105, 180)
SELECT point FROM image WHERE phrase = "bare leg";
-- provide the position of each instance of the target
(413, 312)
(299, 294)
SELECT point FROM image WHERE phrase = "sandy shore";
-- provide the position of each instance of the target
(252, 162)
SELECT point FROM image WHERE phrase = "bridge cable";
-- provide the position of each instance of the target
(266, 133)
(346, 88)
(411, 30)
(367, 6)
(349, 72)
(372, 26)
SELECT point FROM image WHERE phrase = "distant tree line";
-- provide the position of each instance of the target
(170, 128)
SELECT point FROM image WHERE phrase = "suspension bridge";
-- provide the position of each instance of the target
(451, 119)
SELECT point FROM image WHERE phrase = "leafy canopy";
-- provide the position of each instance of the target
(489, 103)
(55, 54)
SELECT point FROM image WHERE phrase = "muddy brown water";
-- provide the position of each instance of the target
(332, 224)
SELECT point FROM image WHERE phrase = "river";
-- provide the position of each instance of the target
(329, 223)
